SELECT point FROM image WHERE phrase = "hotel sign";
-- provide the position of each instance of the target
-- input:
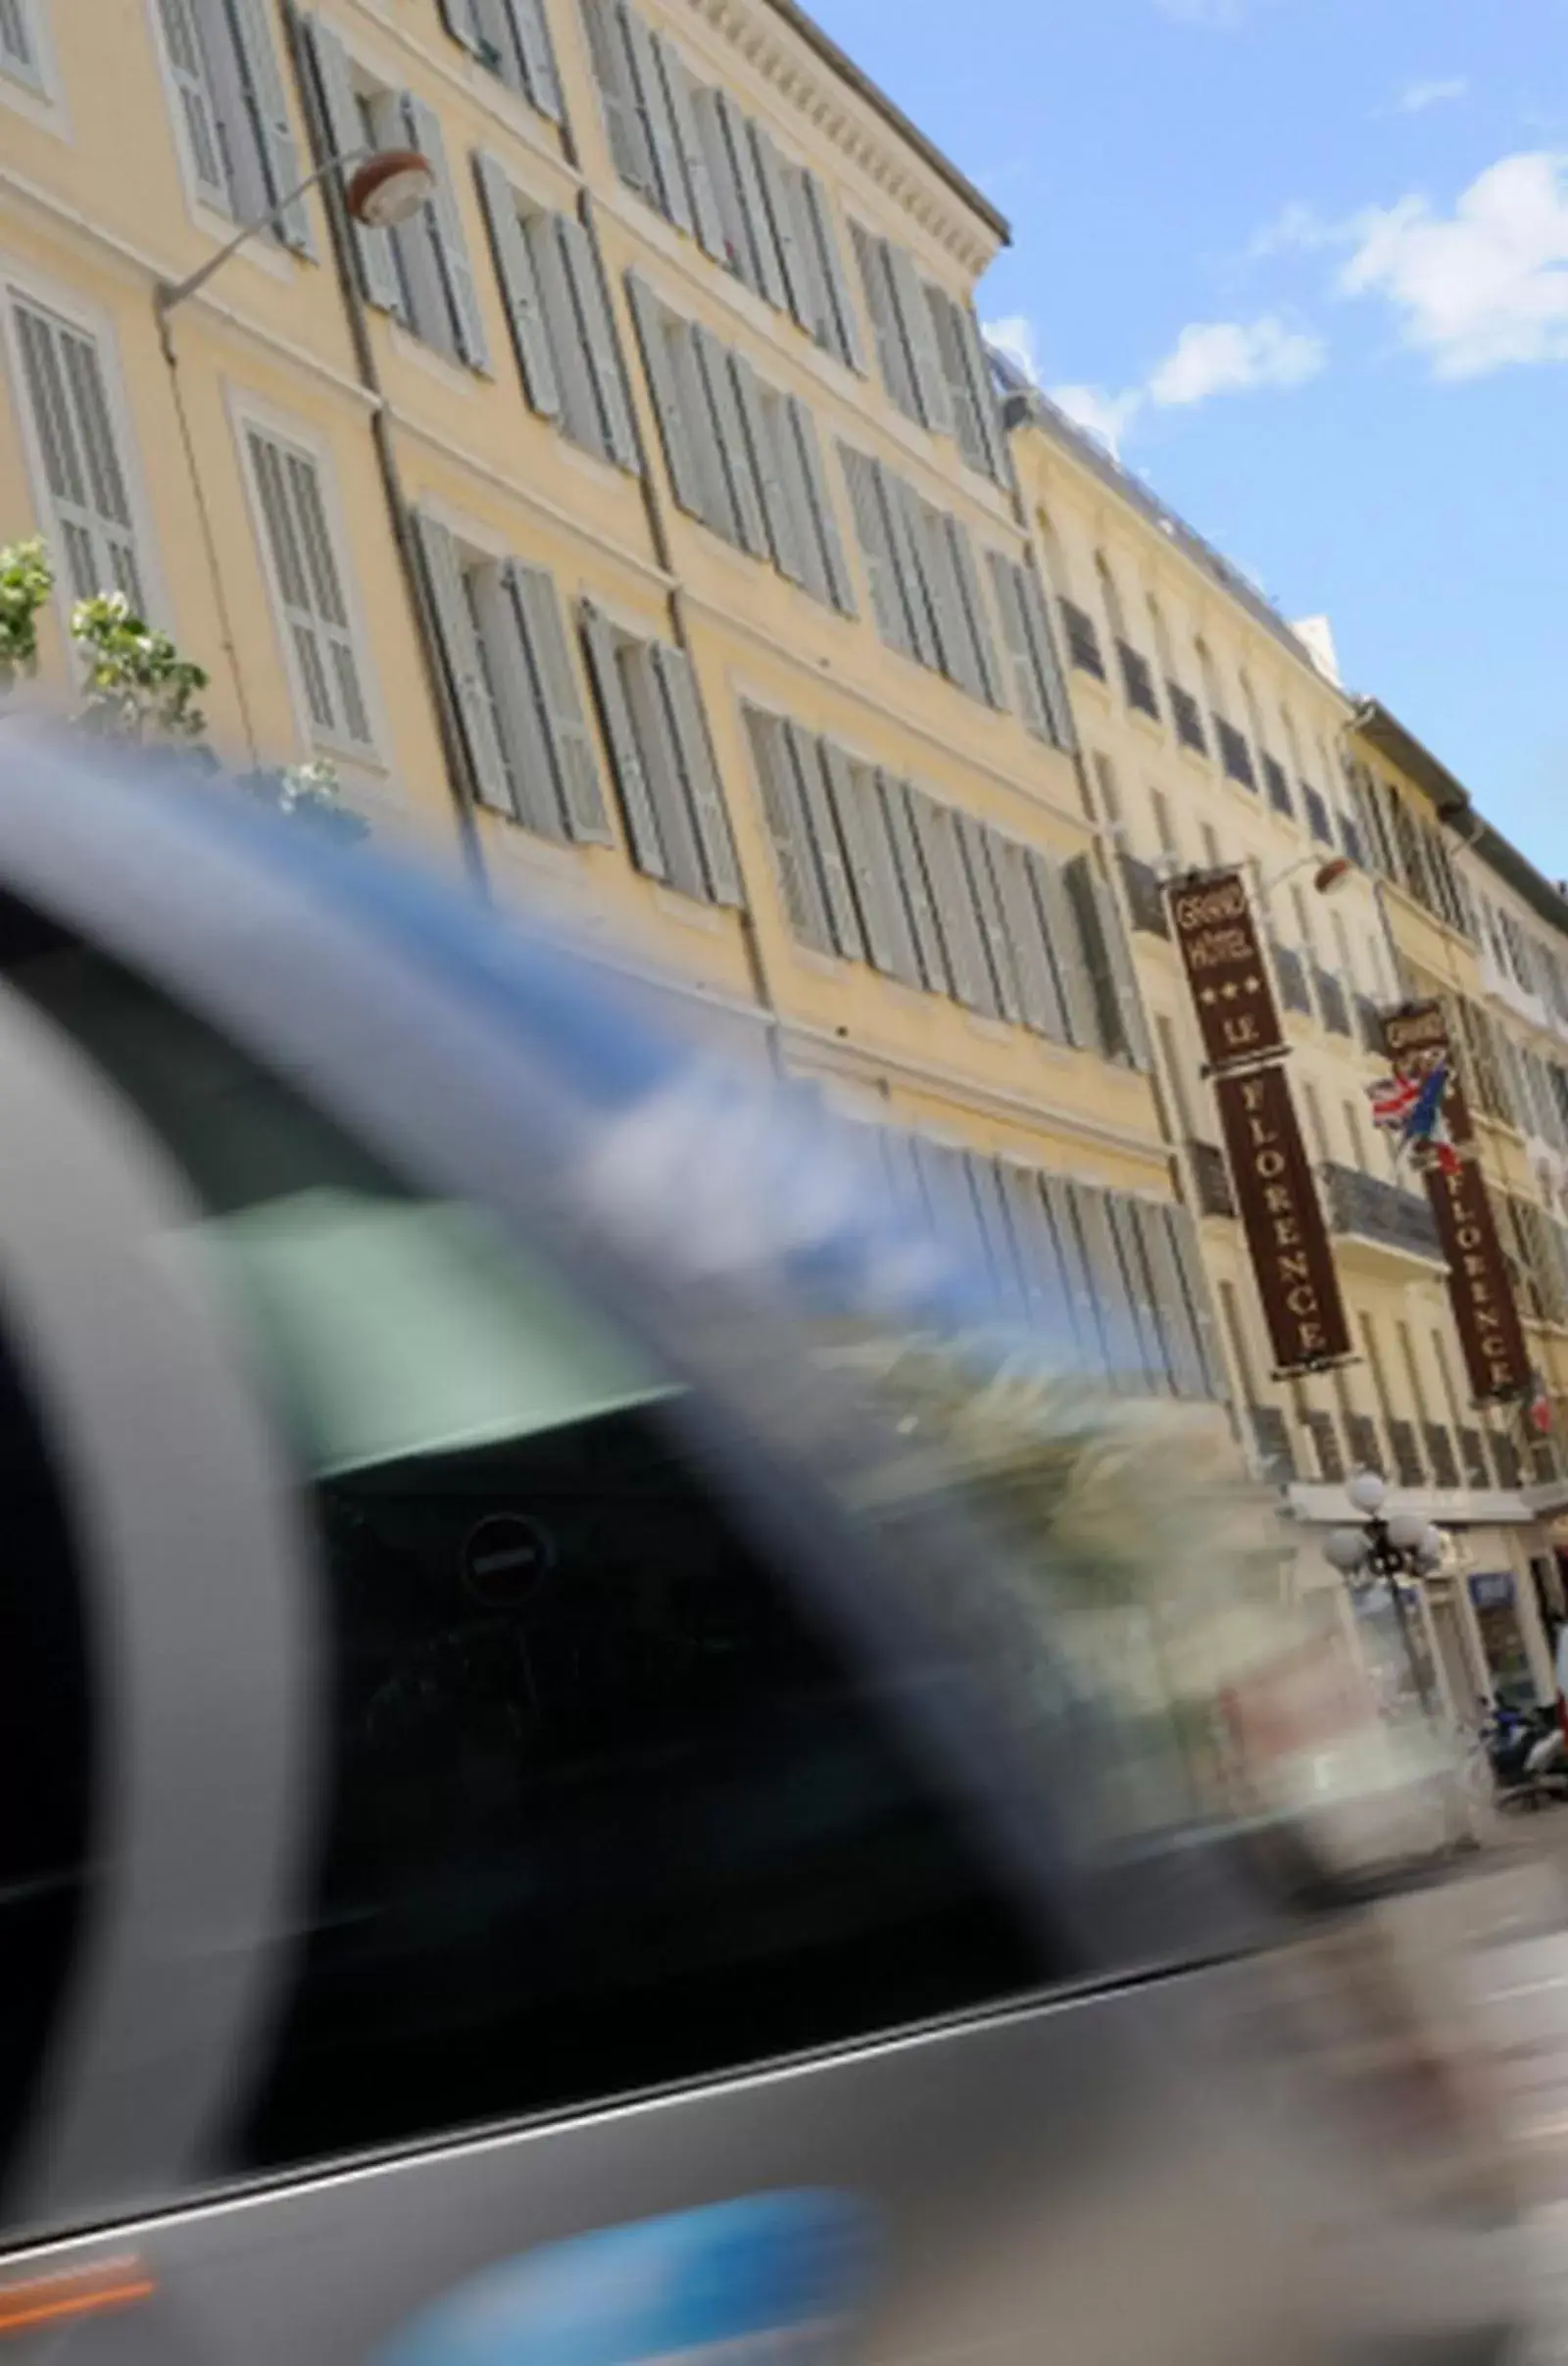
(1480, 1284)
(1286, 1235)
(1416, 1038)
(1232, 993)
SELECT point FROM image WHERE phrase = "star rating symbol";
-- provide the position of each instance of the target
(1207, 997)
(1230, 990)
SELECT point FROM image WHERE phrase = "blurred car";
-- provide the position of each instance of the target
(565, 1673)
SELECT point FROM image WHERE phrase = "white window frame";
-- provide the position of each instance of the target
(268, 252)
(20, 279)
(246, 412)
(39, 95)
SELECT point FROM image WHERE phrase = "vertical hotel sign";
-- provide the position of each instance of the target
(1276, 1195)
(1481, 1292)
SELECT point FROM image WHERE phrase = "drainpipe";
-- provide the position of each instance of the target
(452, 752)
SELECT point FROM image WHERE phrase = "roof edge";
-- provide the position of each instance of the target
(1384, 731)
(1455, 806)
(844, 66)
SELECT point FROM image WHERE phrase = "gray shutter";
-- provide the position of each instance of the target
(624, 129)
(764, 270)
(1112, 1308)
(858, 806)
(272, 129)
(666, 785)
(899, 803)
(1150, 1340)
(829, 568)
(568, 344)
(536, 59)
(459, 649)
(872, 254)
(1106, 961)
(707, 220)
(762, 415)
(931, 530)
(519, 286)
(1039, 993)
(844, 919)
(785, 815)
(694, 752)
(735, 495)
(988, 672)
(1184, 1353)
(1060, 1201)
(1048, 667)
(653, 105)
(461, 24)
(379, 271)
(818, 320)
(685, 475)
(1059, 927)
(520, 712)
(576, 767)
(598, 342)
(620, 738)
(188, 67)
(956, 375)
(1194, 1286)
(861, 475)
(770, 171)
(954, 902)
(980, 850)
(978, 372)
(844, 340)
(1015, 633)
(906, 532)
(444, 224)
(1035, 1239)
(920, 342)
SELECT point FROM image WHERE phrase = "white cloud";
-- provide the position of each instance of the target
(1015, 338)
(1106, 416)
(1296, 228)
(1232, 356)
(1416, 97)
(1485, 286)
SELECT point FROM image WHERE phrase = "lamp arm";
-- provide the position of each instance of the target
(168, 293)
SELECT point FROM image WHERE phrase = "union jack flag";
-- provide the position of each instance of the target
(1394, 1099)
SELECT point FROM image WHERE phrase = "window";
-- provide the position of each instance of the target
(508, 663)
(18, 42)
(740, 456)
(970, 400)
(713, 171)
(662, 760)
(510, 37)
(239, 139)
(1118, 1010)
(568, 352)
(68, 397)
(309, 589)
(1164, 825)
(1039, 693)
(632, 1815)
(420, 273)
(929, 352)
(925, 589)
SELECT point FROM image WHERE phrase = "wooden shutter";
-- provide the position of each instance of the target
(309, 588)
(1194, 1286)
(1016, 635)
(616, 435)
(377, 267)
(786, 237)
(269, 123)
(830, 570)
(1107, 962)
(960, 921)
(1059, 929)
(707, 218)
(1112, 1308)
(982, 851)
(762, 417)
(1039, 991)
(519, 286)
(444, 227)
(918, 332)
(531, 47)
(16, 39)
(956, 373)
(668, 190)
(977, 622)
(761, 267)
(993, 434)
(686, 481)
(1048, 667)
(630, 150)
(872, 254)
(74, 429)
(908, 529)
(460, 655)
(735, 505)
(1127, 1239)
(694, 754)
(861, 475)
(1184, 1351)
(457, 15)
(838, 891)
(844, 328)
(784, 813)
(603, 644)
(574, 763)
(188, 69)
(899, 805)
(1034, 1237)
(852, 791)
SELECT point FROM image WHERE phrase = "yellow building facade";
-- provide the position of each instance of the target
(1215, 735)
(635, 524)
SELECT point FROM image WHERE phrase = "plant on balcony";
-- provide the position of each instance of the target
(137, 688)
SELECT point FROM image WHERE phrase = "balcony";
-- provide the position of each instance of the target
(1326, 1444)
(1138, 680)
(1405, 1447)
(1291, 971)
(1317, 816)
(1083, 640)
(1389, 1226)
(1333, 1002)
(1441, 1456)
(1272, 1438)
(1145, 901)
(1278, 787)
(1234, 755)
(1212, 1178)
(1369, 1024)
(1188, 718)
(1361, 1436)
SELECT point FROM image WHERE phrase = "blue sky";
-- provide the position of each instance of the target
(1308, 260)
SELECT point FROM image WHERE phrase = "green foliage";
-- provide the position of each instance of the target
(27, 579)
(307, 794)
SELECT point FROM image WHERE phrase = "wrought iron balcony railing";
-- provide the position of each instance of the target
(1441, 1460)
(1145, 900)
(1408, 1467)
(1188, 718)
(1277, 785)
(1326, 1444)
(1138, 680)
(1271, 1436)
(1234, 755)
(1215, 1196)
(1083, 640)
(1333, 1007)
(1381, 1212)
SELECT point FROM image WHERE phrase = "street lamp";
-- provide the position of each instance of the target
(1397, 1547)
(387, 187)
(1327, 877)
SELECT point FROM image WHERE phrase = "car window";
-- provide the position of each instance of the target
(605, 1805)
